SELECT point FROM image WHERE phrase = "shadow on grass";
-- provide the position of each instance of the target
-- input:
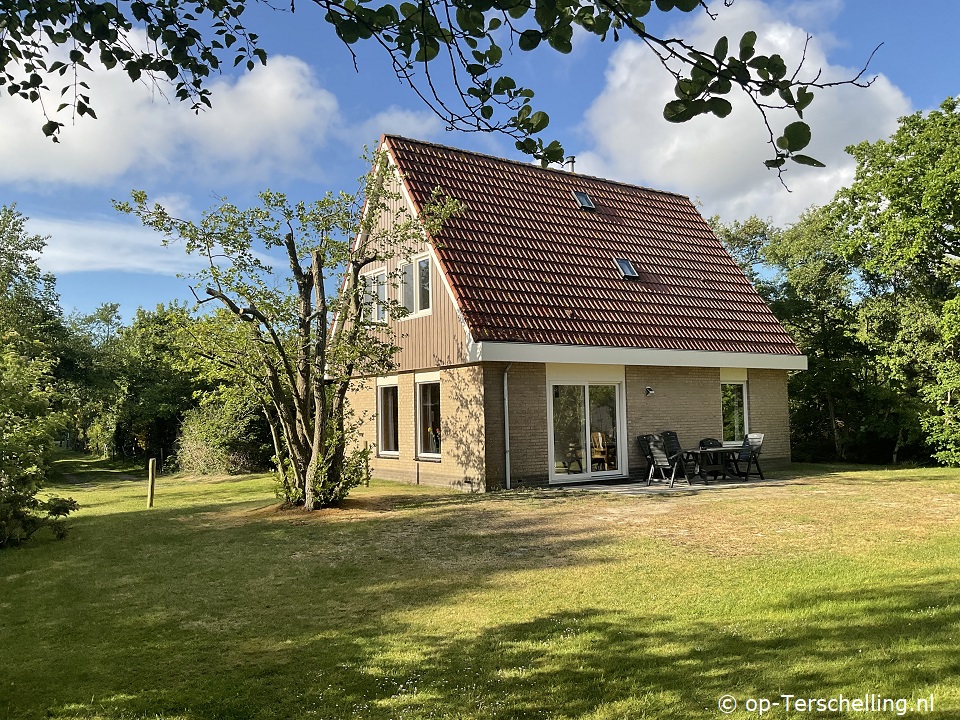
(190, 613)
(206, 612)
(590, 663)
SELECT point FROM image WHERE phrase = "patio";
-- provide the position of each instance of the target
(661, 487)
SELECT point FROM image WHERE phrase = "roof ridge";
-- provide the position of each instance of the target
(531, 166)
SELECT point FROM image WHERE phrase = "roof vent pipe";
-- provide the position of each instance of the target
(571, 161)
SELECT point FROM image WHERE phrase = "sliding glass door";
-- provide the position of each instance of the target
(585, 424)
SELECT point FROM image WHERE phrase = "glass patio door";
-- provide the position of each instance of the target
(585, 430)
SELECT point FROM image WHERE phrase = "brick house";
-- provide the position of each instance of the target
(555, 319)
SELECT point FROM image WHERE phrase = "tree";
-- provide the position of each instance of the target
(901, 215)
(28, 311)
(902, 211)
(27, 426)
(432, 44)
(224, 434)
(850, 403)
(299, 364)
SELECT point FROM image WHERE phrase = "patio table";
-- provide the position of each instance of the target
(723, 455)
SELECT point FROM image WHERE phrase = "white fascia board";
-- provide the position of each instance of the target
(530, 352)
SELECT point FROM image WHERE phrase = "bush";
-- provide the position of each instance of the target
(27, 427)
(222, 437)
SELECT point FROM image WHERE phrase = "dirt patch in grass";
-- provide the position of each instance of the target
(827, 516)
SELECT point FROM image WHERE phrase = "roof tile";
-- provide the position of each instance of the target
(523, 254)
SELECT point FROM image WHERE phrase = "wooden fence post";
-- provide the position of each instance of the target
(151, 480)
(366, 462)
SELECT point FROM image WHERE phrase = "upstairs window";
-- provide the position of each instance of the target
(415, 286)
(375, 296)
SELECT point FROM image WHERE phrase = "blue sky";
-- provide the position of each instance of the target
(299, 126)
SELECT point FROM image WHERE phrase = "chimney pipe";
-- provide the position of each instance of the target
(571, 160)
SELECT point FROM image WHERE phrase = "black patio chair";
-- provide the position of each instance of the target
(682, 461)
(656, 458)
(748, 456)
(712, 462)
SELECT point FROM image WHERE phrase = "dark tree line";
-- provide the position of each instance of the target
(869, 285)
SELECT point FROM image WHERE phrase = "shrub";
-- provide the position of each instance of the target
(27, 427)
(222, 437)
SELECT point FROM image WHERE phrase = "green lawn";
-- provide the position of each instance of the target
(418, 603)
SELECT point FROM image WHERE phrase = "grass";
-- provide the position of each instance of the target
(418, 603)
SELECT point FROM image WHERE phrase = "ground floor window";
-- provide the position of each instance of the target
(428, 419)
(388, 441)
(733, 399)
(585, 428)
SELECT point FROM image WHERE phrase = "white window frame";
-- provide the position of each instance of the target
(383, 383)
(377, 312)
(419, 385)
(746, 404)
(417, 310)
(586, 375)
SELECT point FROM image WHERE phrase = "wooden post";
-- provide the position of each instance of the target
(151, 480)
(366, 463)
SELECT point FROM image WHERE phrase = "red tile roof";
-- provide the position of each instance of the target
(528, 264)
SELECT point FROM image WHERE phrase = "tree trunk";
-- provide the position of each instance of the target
(837, 445)
(898, 445)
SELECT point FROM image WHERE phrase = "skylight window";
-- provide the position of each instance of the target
(626, 268)
(585, 202)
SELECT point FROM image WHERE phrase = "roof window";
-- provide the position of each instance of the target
(626, 268)
(585, 202)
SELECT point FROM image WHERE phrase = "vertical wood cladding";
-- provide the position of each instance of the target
(436, 339)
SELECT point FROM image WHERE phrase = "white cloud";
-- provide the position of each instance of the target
(263, 122)
(720, 162)
(420, 124)
(98, 245)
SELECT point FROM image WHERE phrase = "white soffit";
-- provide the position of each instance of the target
(733, 375)
(529, 352)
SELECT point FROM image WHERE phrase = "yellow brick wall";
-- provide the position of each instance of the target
(769, 411)
(462, 428)
(528, 423)
(686, 400)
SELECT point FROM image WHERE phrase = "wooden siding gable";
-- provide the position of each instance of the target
(439, 338)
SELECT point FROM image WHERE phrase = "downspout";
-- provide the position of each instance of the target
(506, 424)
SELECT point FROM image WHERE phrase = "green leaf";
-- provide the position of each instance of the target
(747, 43)
(538, 121)
(546, 13)
(775, 163)
(529, 39)
(677, 111)
(560, 42)
(486, 112)
(51, 128)
(804, 98)
(720, 49)
(796, 136)
(518, 11)
(806, 160)
(720, 107)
